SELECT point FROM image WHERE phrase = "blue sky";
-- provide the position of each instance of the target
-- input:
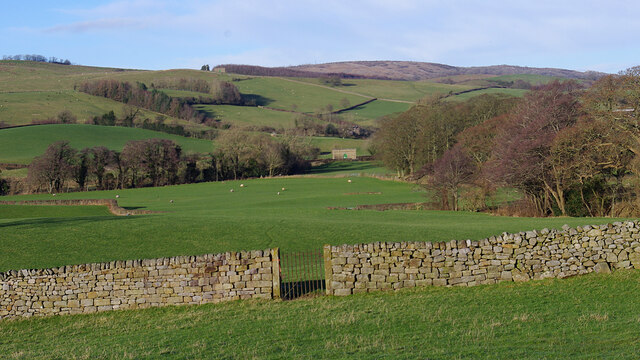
(157, 34)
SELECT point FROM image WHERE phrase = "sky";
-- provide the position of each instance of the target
(158, 34)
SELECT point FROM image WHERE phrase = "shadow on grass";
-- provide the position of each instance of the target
(62, 220)
(306, 288)
(354, 166)
(257, 99)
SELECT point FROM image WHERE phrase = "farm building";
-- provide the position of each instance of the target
(343, 154)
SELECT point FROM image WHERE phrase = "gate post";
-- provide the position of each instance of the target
(275, 268)
(328, 270)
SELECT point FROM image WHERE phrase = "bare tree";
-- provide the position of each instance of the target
(53, 168)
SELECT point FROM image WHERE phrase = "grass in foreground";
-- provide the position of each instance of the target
(588, 317)
(208, 218)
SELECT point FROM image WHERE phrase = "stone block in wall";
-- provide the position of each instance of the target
(342, 292)
(440, 282)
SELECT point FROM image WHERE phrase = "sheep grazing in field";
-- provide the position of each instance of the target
(171, 201)
(349, 181)
(117, 196)
(53, 194)
(231, 190)
(278, 192)
(241, 185)
(282, 189)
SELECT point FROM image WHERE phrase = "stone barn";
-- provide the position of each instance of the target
(343, 154)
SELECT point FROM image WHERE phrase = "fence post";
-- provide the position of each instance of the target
(275, 268)
(328, 271)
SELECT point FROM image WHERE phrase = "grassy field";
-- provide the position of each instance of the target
(589, 317)
(243, 116)
(351, 168)
(31, 91)
(395, 90)
(377, 109)
(469, 95)
(23, 107)
(283, 94)
(533, 79)
(326, 144)
(22, 76)
(21, 145)
(208, 218)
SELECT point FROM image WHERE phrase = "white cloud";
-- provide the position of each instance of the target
(293, 31)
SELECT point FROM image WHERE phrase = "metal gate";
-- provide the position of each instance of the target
(302, 274)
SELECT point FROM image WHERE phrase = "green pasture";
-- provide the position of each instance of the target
(19, 108)
(149, 77)
(395, 89)
(284, 94)
(533, 79)
(377, 109)
(21, 145)
(22, 76)
(594, 316)
(326, 144)
(209, 218)
(351, 168)
(249, 116)
(469, 95)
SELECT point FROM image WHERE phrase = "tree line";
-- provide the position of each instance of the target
(220, 92)
(569, 150)
(37, 58)
(158, 162)
(139, 95)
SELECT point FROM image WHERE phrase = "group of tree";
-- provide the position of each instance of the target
(138, 95)
(158, 162)
(568, 150)
(219, 92)
(188, 84)
(416, 138)
(154, 162)
(37, 58)
(131, 117)
(4, 185)
(330, 125)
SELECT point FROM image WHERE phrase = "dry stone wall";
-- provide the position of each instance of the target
(510, 257)
(134, 284)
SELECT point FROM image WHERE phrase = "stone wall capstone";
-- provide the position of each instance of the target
(523, 256)
(135, 284)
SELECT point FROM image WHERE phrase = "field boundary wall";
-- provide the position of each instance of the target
(136, 284)
(523, 256)
(349, 269)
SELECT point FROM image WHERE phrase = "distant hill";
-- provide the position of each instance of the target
(407, 70)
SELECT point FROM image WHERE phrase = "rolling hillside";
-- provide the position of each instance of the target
(410, 70)
(37, 91)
